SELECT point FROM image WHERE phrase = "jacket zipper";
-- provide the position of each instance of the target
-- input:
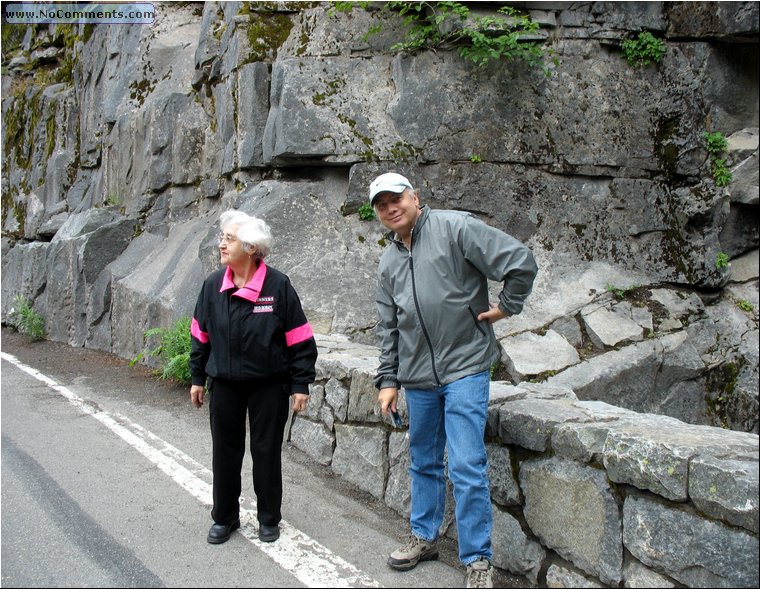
(228, 299)
(419, 312)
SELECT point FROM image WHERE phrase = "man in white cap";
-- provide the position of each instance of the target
(438, 343)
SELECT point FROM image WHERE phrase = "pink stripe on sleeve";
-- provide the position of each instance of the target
(195, 331)
(298, 335)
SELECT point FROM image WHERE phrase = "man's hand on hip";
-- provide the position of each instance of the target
(493, 315)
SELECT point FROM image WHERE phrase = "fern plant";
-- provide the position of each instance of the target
(26, 320)
(173, 350)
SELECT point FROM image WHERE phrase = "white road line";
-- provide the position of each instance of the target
(306, 559)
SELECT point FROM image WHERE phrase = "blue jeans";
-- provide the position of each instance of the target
(461, 409)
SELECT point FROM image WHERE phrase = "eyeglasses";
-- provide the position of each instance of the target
(222, 238)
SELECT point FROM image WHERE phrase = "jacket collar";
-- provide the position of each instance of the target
(252, 289)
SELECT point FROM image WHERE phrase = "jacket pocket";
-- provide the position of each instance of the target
(475, 319)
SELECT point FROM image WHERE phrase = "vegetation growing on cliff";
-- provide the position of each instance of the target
(267, 30)
(643, 50)
(366, 212)
(30, 131)
(479, 39)
(20, 121)
(12, 37)
(721, 383)
(716, 145)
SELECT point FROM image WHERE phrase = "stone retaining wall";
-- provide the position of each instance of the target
(583, 493)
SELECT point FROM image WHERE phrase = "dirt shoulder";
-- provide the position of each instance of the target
(66, 363)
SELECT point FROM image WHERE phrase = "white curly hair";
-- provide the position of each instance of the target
(254, 234)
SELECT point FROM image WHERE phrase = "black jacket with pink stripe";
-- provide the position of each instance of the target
(255, 333)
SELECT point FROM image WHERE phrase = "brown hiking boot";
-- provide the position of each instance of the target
(415, 550)
(479, 574)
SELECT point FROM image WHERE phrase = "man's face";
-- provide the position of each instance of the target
(398, 212)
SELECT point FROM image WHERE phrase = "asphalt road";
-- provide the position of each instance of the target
(106, 483)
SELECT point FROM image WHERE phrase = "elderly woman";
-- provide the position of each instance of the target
(251, 340)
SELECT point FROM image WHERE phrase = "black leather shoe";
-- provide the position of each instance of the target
(268, 533)
(220, 533)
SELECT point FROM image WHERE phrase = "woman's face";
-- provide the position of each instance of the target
(231, 250)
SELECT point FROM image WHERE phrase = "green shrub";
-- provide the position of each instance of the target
(716, 144)
(720, 172)
(366, 212)
(643, 50)
(173, 350)
(26, 320)
(479, 39)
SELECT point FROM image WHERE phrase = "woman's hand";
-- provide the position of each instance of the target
(196, 395)
(300, 401)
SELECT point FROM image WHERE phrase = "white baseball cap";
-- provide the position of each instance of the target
(390, 182)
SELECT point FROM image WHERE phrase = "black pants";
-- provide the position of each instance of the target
(267, 408)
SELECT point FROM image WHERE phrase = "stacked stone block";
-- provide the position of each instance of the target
(583, 493)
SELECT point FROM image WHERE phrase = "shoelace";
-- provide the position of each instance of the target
(478, 577)
(411, 543)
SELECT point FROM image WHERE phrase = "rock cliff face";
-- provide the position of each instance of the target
(123, 144)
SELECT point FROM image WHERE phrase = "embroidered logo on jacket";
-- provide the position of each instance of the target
(263, 305)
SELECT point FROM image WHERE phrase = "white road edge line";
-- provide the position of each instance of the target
(306, 559)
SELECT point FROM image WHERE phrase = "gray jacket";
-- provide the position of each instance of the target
(429, 299)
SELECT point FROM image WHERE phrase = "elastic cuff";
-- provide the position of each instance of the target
(387, 383)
